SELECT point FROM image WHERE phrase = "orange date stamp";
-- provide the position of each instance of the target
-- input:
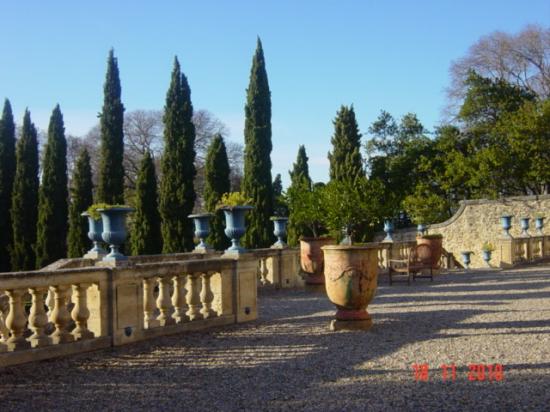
(477, 372)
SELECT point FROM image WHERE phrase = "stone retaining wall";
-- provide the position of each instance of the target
(478, 221)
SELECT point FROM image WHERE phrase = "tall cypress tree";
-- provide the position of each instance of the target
(300, 170)
(280, 208)
(81, 198)
(51, 236)
(24, 200)
(7, 174)
(217, 183)
(177, 193)
(299, 178)
(257, 183)
(111, 174)
(146, 237)
(345, 160)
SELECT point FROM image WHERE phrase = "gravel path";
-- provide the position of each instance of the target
(289, 360)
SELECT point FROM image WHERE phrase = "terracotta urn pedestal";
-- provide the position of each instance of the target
(311, 258)
(351, 278)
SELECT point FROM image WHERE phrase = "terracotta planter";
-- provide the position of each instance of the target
(311, 258)
(351, 278)
(435, 244)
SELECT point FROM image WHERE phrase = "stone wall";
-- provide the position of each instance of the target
(478, 221)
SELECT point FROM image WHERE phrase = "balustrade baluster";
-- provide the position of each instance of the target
(178, 299)
(207, 296)
(193, 297)
(38, 318)
(4, 310)
(60, 315)
(80, 313)
(164, 303)
(149, 303)
(262, 271)
(16, 321)
(50, 303)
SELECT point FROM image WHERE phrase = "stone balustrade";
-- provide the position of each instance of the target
(96, 307)
(523, 249)
(278, 268)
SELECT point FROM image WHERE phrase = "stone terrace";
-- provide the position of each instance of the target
(289, 360)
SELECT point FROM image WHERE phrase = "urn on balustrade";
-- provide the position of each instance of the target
(466, 258)
(95, 228)
(388, 228)
(539, 224)
(524, 222)
(202, 230)
(279, 230)
(506, 222)
(351, 278)
(235, 226)
(114, 230)
(311, 258)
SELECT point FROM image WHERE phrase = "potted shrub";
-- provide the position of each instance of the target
(307, 210)
(234, 206)
(114, 227)
(351, 271)
(487, 249)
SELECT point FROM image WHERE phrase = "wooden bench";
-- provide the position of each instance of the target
(420, 260)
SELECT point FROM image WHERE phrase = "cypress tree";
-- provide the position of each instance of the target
(81, 199)
(177, 193)
(217, 183)
(257, 183)
(51, 236)
(280, 207)
(300, 170)
(25, 198)
(146, 238)
(299, 177)
(7, 174)
(111, 171)
(345, 160)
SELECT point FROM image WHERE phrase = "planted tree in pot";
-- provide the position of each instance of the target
(306, 208)
(351, 271)
(234, 206)
(487, 249)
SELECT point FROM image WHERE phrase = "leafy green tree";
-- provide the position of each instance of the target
(217, 182)
(51, 242)
(81, 200)
(25, 198)
(257, 182)
(345, 159)
(111, 170)
(146, 237)
(7, 175)
(177, 193)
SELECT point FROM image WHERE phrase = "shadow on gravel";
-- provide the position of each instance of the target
(289, 360)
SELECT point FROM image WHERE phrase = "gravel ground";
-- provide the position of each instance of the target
(289, 360)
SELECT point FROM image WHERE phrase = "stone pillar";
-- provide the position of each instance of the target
(178, 299)
(80, 313)
(164, 303)
(16, 321)
(38, 318)
(193, 297)
(149, 303)
(60, 315)
(247, 295)
(506, 245)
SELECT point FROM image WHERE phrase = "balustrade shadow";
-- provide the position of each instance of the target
(288, 359)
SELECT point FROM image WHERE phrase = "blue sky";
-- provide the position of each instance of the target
(391, 55)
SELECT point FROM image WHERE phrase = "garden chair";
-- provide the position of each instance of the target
(420, 260)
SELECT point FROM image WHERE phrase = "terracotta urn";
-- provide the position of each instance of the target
(435, 242)
(311, 258)
(351, 278)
